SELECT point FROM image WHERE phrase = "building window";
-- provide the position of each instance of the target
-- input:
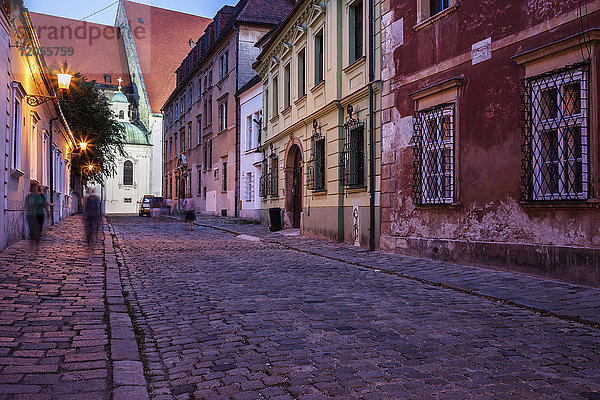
(175, 144)
(301, 73)
(269, 179)
(199, 128)
(249, 137)
(205, 157)
(356, 32)
(224, 180)
(556, 150)
(199, 182)
(436, 6)
(266, 102)
(127, 200)
(210, 78)
(223, 65)
(316, 164)
(121, 114)
(434, 155)
(107, 78)
(182, 141)
(319, 57)
(222, 116)
(353, 155)
(199, 93)
(249, 187)
(275, 98)
(190, 135)
(210, 154)
(286, 86)
(128, 173)
(16, 131)
(210, 110)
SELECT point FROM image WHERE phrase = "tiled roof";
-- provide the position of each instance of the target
(265, 11)
(97, 49)
(165, 42)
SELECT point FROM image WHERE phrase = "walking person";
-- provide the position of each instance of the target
(189, 210)
(36, 207)
(155, 209)
(91, 214)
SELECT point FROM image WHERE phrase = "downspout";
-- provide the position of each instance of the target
(237, 126)
(51, 172)
(371, 132)
(341, 188)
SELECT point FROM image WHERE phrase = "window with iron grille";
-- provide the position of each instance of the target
(316, 163)
(353, 155)
(262, 189)
(555, 127)
(434, 155)
(224, 180)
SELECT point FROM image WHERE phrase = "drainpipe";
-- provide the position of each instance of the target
(341, 188)
(237, 127)
(371, 132)
(51, 172)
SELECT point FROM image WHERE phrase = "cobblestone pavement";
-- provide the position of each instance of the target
(53, 341)
(226, 317)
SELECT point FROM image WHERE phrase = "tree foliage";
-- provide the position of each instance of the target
(91, 120)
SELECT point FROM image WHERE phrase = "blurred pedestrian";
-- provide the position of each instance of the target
(189, 211)
(155, 209)
(36, 207)
(91, 214)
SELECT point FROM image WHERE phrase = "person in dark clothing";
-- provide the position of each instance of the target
(91, 213)
(36, 208)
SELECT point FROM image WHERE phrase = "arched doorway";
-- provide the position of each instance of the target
(293, 183)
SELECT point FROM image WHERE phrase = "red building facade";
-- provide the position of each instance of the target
(490, 148)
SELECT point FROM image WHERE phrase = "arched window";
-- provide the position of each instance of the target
(128, 173)
(107, 78)
(121, 114)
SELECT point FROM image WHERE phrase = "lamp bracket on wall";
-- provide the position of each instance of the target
(35, 100)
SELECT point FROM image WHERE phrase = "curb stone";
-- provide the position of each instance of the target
(128, 381)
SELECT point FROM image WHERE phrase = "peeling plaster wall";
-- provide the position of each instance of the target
(488, 133)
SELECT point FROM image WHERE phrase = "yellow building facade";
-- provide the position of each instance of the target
(320, 135)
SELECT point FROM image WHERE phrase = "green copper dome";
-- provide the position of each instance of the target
(134, 135)
(119, 98)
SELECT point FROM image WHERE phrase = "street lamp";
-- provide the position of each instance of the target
(83, 146)
(64, 81)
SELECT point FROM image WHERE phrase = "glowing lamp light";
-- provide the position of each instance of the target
(83, 146)
(64, 81)
(90, 167)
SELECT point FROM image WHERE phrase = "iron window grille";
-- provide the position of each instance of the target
(269, 179)
(316, 163)
(555, 129)
(353, 155)
(262, 189)
(433, 151)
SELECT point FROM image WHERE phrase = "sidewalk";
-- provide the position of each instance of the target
(563, 300)
(56, 311)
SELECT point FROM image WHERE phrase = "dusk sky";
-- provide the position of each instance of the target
(78, 9)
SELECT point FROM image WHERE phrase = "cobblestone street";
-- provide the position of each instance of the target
(226, 317)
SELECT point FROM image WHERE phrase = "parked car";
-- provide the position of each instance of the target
(145, 204)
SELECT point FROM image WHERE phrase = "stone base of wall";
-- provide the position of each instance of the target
(579, 265)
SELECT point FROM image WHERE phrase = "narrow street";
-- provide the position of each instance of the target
(228, 317)
(154, 311)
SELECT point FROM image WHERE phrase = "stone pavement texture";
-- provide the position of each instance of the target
(229, 317)
(61, 310)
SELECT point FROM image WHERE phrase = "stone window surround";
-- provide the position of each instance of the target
(556, 55)
(424, 18)
(445, 91)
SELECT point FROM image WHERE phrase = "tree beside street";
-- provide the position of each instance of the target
(91, 120)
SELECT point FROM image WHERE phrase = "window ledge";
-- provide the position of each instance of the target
(274, 119)
(359, 62)
(300, 99)
(222, 79)
(444, 206)
(319, 192)
(318, 86)
(16, 173)
(561, 204)
(356, 189)
(434, 18)
(287, 110)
